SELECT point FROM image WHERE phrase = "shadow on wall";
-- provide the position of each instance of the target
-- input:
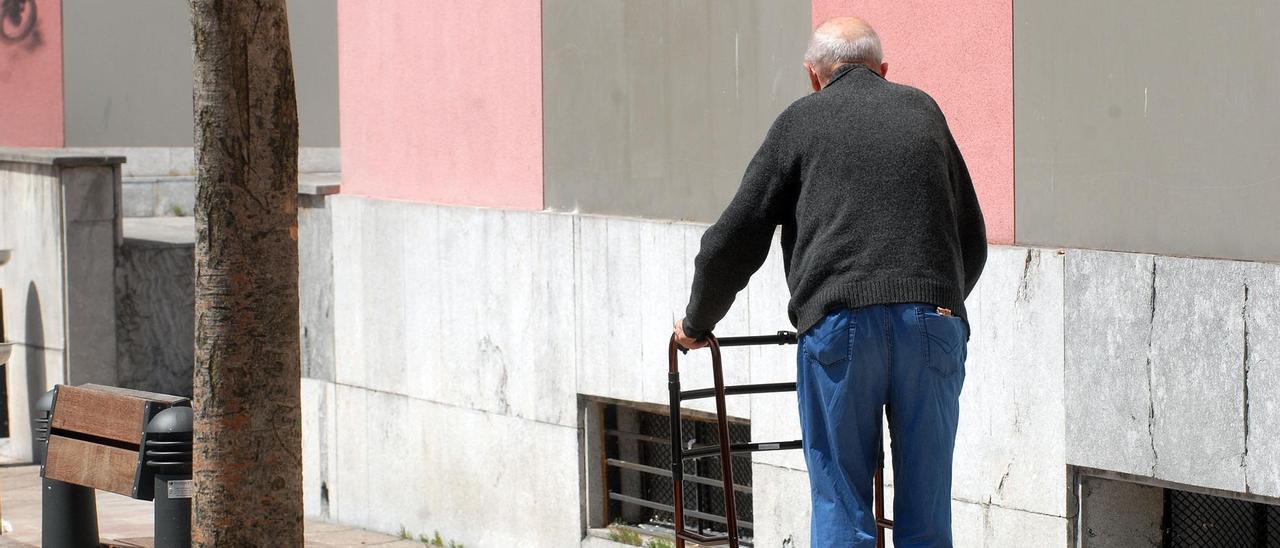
(18, 24)
(35, 356)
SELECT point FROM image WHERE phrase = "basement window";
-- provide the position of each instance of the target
(1206, 521)
(628, 452)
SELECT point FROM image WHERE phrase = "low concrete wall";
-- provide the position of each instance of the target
(315, 277)
(59, 214)
(1173, 369)
(153, 162)
(464, 338)
(155, 304)
(155, 291)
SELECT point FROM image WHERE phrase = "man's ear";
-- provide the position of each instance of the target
(813, 78)
(884, 69)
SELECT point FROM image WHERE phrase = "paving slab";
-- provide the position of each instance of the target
(123, 521)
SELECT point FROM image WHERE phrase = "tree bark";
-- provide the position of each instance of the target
(248, 431)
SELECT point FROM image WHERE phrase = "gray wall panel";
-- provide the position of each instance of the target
(127, 72)
(1149, 126)
(654, 107)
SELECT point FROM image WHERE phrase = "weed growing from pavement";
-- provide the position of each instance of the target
(625, 536)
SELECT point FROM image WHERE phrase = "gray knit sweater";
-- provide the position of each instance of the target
(875, 203)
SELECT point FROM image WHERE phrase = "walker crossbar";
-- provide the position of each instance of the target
(739, 389)
(724, 449)
(711, 450)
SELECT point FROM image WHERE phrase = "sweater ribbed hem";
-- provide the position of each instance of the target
(875, 292)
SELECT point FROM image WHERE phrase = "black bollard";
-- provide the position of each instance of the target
(68, 513)
(168, 454)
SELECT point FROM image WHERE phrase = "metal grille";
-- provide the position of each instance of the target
(1194, 520)
(638, 458)
(1273, 524)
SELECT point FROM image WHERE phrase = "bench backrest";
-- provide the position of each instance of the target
(96, 436)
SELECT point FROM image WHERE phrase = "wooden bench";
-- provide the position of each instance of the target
(102, 437)
(96, 437)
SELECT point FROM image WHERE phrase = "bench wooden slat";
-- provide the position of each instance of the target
(106, 414)
(92, 465)
(138, 394)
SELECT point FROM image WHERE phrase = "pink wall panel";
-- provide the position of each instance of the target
(441, 101)
(31, 82)
(961, 53)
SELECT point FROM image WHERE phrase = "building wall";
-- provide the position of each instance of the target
(442, 101)
(961, 53)
(1068, 366)
(128, 72)
(654, 108)
(1124, 144)
(31, 82)
(60, 220)
(467, 336)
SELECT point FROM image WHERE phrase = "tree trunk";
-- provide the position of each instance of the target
(248, 430)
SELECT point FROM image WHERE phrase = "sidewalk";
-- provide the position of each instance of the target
(124, 519)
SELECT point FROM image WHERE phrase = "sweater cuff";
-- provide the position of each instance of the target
(693, 331)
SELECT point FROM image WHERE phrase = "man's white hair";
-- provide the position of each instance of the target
(828, 50)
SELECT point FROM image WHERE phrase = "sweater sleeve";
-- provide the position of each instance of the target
(969, 223)
(738, 243)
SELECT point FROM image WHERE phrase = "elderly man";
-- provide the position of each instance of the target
(882, 241)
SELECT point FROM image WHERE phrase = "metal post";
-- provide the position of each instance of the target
(69, 516)
(677, 460)
(68, 513)
(168, 453)
(726, 454)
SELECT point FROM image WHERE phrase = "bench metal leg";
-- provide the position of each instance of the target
(173, 514)
(69, 516)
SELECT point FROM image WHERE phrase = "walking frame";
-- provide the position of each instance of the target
(724, 449)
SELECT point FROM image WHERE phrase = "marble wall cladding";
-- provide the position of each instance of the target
(775, 417)
(1011, 442)
(1008, 527)
(472, 308)
(1197, 373)
(59, 218)
(30, 228)
(33, 296)
(315, 286)
(1109, 306)
(1262, 380)
(155, 316)
(319, 446)
(1171, 369)
(780, 504)
(498, 320)
(92, 234)
(407, 463)
(969, 524)
(30, 372)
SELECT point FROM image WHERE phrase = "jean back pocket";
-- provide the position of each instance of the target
(945, 339)
(830, 341)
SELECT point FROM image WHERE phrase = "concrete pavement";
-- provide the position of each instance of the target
(129, 521)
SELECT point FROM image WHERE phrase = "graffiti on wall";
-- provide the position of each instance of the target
(18, 22)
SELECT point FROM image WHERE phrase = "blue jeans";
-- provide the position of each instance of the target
(909, 359)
